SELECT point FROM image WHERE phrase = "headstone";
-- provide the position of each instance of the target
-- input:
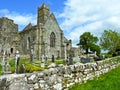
(17, 58)
(87, 59)
(95, 54)
(83, 59)
(67, 60)
(43, 60)
(7, 66)
(103, 56)
(77, 59)
(46, 58)
(70, 60)
(53, 58)
(22, 69)
(3, 67)
(31, 56)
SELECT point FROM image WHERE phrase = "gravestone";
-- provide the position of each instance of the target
(43, 61)
(52, 58)
(3, 67)
(22, 69)
(103, 56)
(46, 59)
(95, 54)
(77, 59)
(17, 58)
(31, 56)
(87, 59)
(70, 60)
(7, 69)
(83, 60)
(67, 61)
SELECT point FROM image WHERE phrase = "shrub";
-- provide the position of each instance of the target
(60, 61)
(31, 68)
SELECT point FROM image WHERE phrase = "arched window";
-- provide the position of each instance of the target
(28, 42)
(52, 40)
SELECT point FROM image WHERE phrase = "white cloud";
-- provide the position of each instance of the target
(21, 19)
(4, 11)
(93, 16)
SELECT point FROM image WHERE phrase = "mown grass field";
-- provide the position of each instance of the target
(108, 81)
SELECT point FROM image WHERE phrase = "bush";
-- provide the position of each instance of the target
(59, 61)
(29, 68)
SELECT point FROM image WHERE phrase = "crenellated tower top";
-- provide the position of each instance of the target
(43, 13)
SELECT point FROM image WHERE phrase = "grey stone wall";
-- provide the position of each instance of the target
(59, 78)
(28, 39)
(9, 38)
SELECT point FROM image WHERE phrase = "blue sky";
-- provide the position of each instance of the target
(74, 16)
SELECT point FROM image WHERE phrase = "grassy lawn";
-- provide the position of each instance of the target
(0, 69)
(109, 81)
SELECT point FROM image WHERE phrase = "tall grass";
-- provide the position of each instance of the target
(109, 81)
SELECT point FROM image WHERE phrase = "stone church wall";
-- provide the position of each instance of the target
(51, 26)
(59, 78)
(27, 40)
(46, 25)
(9, 38)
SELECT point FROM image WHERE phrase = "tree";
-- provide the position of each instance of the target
(95, 48)
(110, 40)
(87, 41)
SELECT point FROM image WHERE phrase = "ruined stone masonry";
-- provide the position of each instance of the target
(45, 38)
(9, 40)
(59, 78)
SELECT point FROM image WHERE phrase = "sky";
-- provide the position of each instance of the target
(74, 16)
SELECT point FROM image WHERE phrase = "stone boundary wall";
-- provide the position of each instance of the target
(59, 78)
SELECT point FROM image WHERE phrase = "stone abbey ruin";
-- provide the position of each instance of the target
(45, 38)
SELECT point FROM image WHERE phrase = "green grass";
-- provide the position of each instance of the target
(0, 69)
(109, 81)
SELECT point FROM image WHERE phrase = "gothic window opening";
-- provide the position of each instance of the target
(52, 40)
(11, 50)
(28, 43)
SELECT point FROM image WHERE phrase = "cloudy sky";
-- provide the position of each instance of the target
(74, 16)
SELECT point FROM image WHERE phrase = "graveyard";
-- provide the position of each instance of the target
(36, 65)
(57, 75)
(29, 68)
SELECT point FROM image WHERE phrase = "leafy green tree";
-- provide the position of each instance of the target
(95, 48)
(110, 40)
(88, 41)
(118, 46)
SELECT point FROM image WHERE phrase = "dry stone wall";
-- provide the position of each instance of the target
(59, 78)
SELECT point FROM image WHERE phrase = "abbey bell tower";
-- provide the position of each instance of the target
(43, 13)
